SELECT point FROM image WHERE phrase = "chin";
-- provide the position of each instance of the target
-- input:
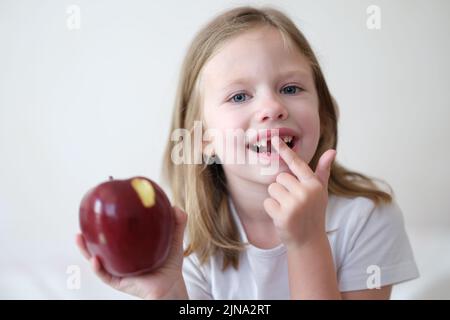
(270, 175)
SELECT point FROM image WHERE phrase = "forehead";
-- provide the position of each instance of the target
(257, 52)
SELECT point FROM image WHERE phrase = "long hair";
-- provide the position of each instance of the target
(201, 190)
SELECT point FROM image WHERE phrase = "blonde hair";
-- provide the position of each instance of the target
(201, 190)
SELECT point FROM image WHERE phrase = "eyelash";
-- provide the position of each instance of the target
(242, 93)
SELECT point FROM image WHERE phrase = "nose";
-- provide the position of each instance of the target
(272, 109)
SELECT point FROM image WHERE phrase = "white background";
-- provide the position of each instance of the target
(79, 105)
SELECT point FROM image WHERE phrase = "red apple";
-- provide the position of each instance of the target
(128, 224)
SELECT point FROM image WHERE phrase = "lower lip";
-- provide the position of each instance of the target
(274, 155)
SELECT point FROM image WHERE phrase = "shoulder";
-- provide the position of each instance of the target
(357, 213)
(367, 235)
(360, 228)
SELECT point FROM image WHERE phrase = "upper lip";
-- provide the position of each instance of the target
(267, 134)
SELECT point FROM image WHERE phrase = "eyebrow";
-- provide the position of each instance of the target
(287, 74)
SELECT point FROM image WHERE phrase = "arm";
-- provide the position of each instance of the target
(297, 205)
(311, 272)
(384, 293)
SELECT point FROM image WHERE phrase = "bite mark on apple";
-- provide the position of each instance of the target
(145, 191)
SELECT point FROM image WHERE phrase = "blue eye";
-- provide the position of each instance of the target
(239, 96)
(292, 89)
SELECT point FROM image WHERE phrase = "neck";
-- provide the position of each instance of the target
(248, 197)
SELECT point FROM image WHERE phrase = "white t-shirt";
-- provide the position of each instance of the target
(367, 242)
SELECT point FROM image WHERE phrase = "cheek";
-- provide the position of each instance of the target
(227, 135)
(222, 118)
(308, 121)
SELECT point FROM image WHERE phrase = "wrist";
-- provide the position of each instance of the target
(316, 241)
(177, 291)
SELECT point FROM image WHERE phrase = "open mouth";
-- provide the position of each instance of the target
(265, 147)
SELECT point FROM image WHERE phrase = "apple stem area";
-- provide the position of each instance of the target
(111, 178)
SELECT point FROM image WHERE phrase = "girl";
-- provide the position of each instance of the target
(310, 229)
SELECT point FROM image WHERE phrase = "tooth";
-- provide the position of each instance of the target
(261, 143)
